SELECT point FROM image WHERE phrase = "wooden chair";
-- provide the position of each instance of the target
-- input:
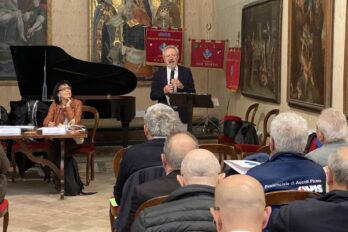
(247, 149)
(251, 111)
(113, 211)
(223, 152)
(284, 197)
(4, 212)
(44, 147)
(149, 203)
(88, 148)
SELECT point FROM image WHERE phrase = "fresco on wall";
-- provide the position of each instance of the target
(118, 30)
(22, 22)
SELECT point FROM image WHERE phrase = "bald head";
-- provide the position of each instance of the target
(241, 203)
(200, 166)
(177, 146)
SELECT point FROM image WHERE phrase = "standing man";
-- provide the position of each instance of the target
(172, 78)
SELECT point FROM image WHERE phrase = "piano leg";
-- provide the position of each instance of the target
(125, 127)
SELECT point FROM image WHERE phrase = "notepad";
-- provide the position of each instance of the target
(241, 166)
(113, 202)
(53, 130)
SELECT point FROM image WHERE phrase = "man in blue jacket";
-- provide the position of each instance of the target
(287, 168)
(326, 213)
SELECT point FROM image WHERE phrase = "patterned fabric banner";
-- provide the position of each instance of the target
(157, 39)
(207, 53)
(233, 68)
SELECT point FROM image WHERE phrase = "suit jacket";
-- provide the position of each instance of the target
(160, 80)
(139, 156)
(158, 187)
(327, 213)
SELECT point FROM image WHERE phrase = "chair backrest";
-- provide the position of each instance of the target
(263, 149)
(284, 197)
(223, 152)
(266, 134)
(95, 113)
(117, 160)
(139, 177)
(251, 109)
(149, 203)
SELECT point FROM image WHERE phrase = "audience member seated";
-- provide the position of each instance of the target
(331, 132)
(287, 168)
(160, 121)
(326, 213)
(187, 208)
(174, 151)
(240, 205)
(4, 166)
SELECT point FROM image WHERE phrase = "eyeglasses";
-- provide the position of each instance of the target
(65, 89)
(170, 55)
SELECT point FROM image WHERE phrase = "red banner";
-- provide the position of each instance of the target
(157, 39)
(207, 53)
(233, 68)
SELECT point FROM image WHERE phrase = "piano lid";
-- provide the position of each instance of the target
(86, 78)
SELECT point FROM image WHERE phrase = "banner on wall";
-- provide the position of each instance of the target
(207, 53)
(233, 68)
(157, 39)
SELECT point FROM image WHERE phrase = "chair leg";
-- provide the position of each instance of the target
(92, 166)
(6, 221)
(112, 218)
(13, 166)
(87, 168)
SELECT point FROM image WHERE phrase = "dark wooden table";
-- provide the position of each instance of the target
(20, 139)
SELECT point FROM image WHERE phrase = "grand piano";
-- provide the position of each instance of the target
(39, 68)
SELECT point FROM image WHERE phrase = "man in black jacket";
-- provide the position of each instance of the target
(172, 78)
(174, 151)
(159, 122)
(326, 213)
(187, 208)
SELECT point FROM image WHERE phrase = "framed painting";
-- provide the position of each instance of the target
(345, 78)
(117, 30)
(310, 54)
(22, 22)
(261, 49)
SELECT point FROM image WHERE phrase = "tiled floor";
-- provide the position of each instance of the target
(35, 205)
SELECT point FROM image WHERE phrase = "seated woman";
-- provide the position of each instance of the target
(64, 111)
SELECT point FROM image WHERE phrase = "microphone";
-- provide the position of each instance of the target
(171, 78)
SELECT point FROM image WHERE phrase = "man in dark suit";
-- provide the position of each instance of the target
(172, 78)
(174, 151)
(159, 122)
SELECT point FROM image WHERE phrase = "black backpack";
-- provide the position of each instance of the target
(72, 179)
(247, 134)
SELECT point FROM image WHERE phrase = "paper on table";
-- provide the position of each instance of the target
(241, 166)
(53, 130)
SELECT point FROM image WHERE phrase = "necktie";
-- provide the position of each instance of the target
(171, 78)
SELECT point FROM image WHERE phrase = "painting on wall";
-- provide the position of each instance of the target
(22, 22)
(117, 30)
(261, 50)
(310, 53)
(345, 91)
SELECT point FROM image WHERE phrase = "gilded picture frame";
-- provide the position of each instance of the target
(261, 49)
(117, 30)
(345, 78)
(22, 22)
(310, 54)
